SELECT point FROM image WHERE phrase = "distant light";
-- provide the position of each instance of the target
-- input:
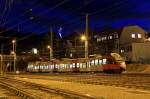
(34, 50)
(71, 55)
(48, 46)
(122, 51)
(30, 9)
(83, 37)
(12, 52)
(13, 41)
(133, 35)
(31, 18)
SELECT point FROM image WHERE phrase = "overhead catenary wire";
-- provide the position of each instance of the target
(26, 20)
(62, 24)
(57, 5)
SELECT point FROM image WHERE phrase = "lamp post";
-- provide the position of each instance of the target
(14, 54)
(50, 52)
(84, 38)
(1, 64)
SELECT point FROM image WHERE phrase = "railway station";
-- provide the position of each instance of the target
(74, 49)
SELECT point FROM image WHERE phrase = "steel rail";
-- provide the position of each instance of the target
(64, 93)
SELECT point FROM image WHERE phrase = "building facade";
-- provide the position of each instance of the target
(129, 42)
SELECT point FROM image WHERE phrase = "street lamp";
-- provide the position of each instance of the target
(50, 52)
(14, 53)
(84, 38)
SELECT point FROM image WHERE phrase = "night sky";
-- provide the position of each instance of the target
(37, 16)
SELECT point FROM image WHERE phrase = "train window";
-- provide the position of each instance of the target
(104, 61)
(96, 62)
(41, 67)
(61, 66)
(64, 65)
(100, 62)
(67, 66)
(92, 62)
(46, 67)
(84, 65)
(78, 65)
(73, 65)
(49, 66)
(110, 61)
(56, 66)
(52, 66)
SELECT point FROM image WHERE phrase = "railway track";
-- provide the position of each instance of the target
(126, 80)
(28, 90)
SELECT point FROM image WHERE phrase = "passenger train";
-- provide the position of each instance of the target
(112, 63)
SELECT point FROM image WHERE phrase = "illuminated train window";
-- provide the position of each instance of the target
(47, 67)
(78, 65)
(61, 66)
(52, 66)
(104, 61)
(100, 62)
(84, 65)
(40, 67)
(66, 65)
(96, 62)
(92, 62)
(73, 65)
(44, 66)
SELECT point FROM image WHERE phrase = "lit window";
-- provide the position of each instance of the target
(122, 50)
(98, 39)
(110, 37)
(133, 35)
(103, 38)
(104, 61)
(96, 62)
(139, 36)
(100, 62)
(78, 65)
(92, 62)
(84, 65)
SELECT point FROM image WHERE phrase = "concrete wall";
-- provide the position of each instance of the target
(141, 52)
(138, 68)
